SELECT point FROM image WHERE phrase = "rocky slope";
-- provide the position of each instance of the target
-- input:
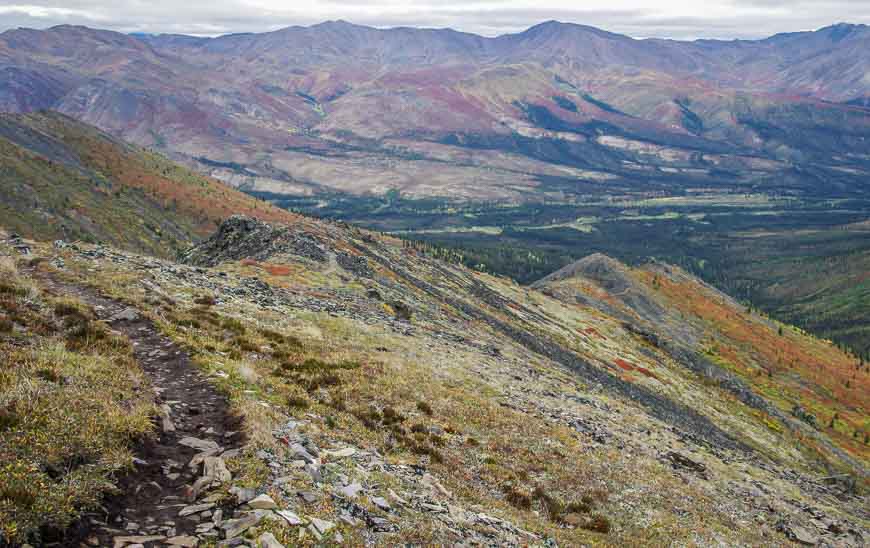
(388, 396)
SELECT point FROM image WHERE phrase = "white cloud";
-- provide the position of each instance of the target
(640, 18)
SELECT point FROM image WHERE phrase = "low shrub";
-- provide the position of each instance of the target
(516, 498)
(298, 402)
(205, 300)
(234, 325)
(245, 345)
(598, 523)
(7, 288)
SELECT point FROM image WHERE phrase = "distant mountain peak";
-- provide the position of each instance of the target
(338, 24)
(841, 31)
(554, 27)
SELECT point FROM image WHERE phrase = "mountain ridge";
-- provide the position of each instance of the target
(300, 89)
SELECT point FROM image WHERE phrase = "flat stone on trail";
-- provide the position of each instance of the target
(243, 495)
(217, 469)
(195, 509)
(184, 541)
(268, 540)
(120, 542)
(126, 315)
(263, 502)
(201, 445)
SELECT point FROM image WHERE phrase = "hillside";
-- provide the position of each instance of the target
(62, 179)
(744, 351)
(388, 396)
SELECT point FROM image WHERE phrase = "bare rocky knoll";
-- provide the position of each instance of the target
(387, 397)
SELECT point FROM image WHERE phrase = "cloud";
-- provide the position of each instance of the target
(679, 19)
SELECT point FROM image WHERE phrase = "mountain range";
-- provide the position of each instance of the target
(343, 108)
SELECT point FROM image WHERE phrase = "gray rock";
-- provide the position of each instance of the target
(308, 496)
(302, 453)
(322, 526)
(341, 453)
(119, 542)
(201, 445)
(803, 535)
(236, 527)
(314, 472)
(217, 469)
(205, 527)
(290, 517)
(268, 540)
(381, 503)
(351, 491)
(184, 541)
(262, 502)
(243, 495)
(126, 315)
(195, 509)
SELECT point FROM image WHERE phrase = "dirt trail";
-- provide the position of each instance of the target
(161, 485)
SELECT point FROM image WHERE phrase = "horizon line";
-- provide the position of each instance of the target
(432, 29)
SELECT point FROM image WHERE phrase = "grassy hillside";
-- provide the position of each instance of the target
(802, 377)
(72, 404)
(63, 179)
(541, 407)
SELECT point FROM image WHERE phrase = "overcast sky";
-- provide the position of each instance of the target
(639, 18)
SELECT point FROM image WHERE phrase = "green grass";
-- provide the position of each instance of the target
(72, 401)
